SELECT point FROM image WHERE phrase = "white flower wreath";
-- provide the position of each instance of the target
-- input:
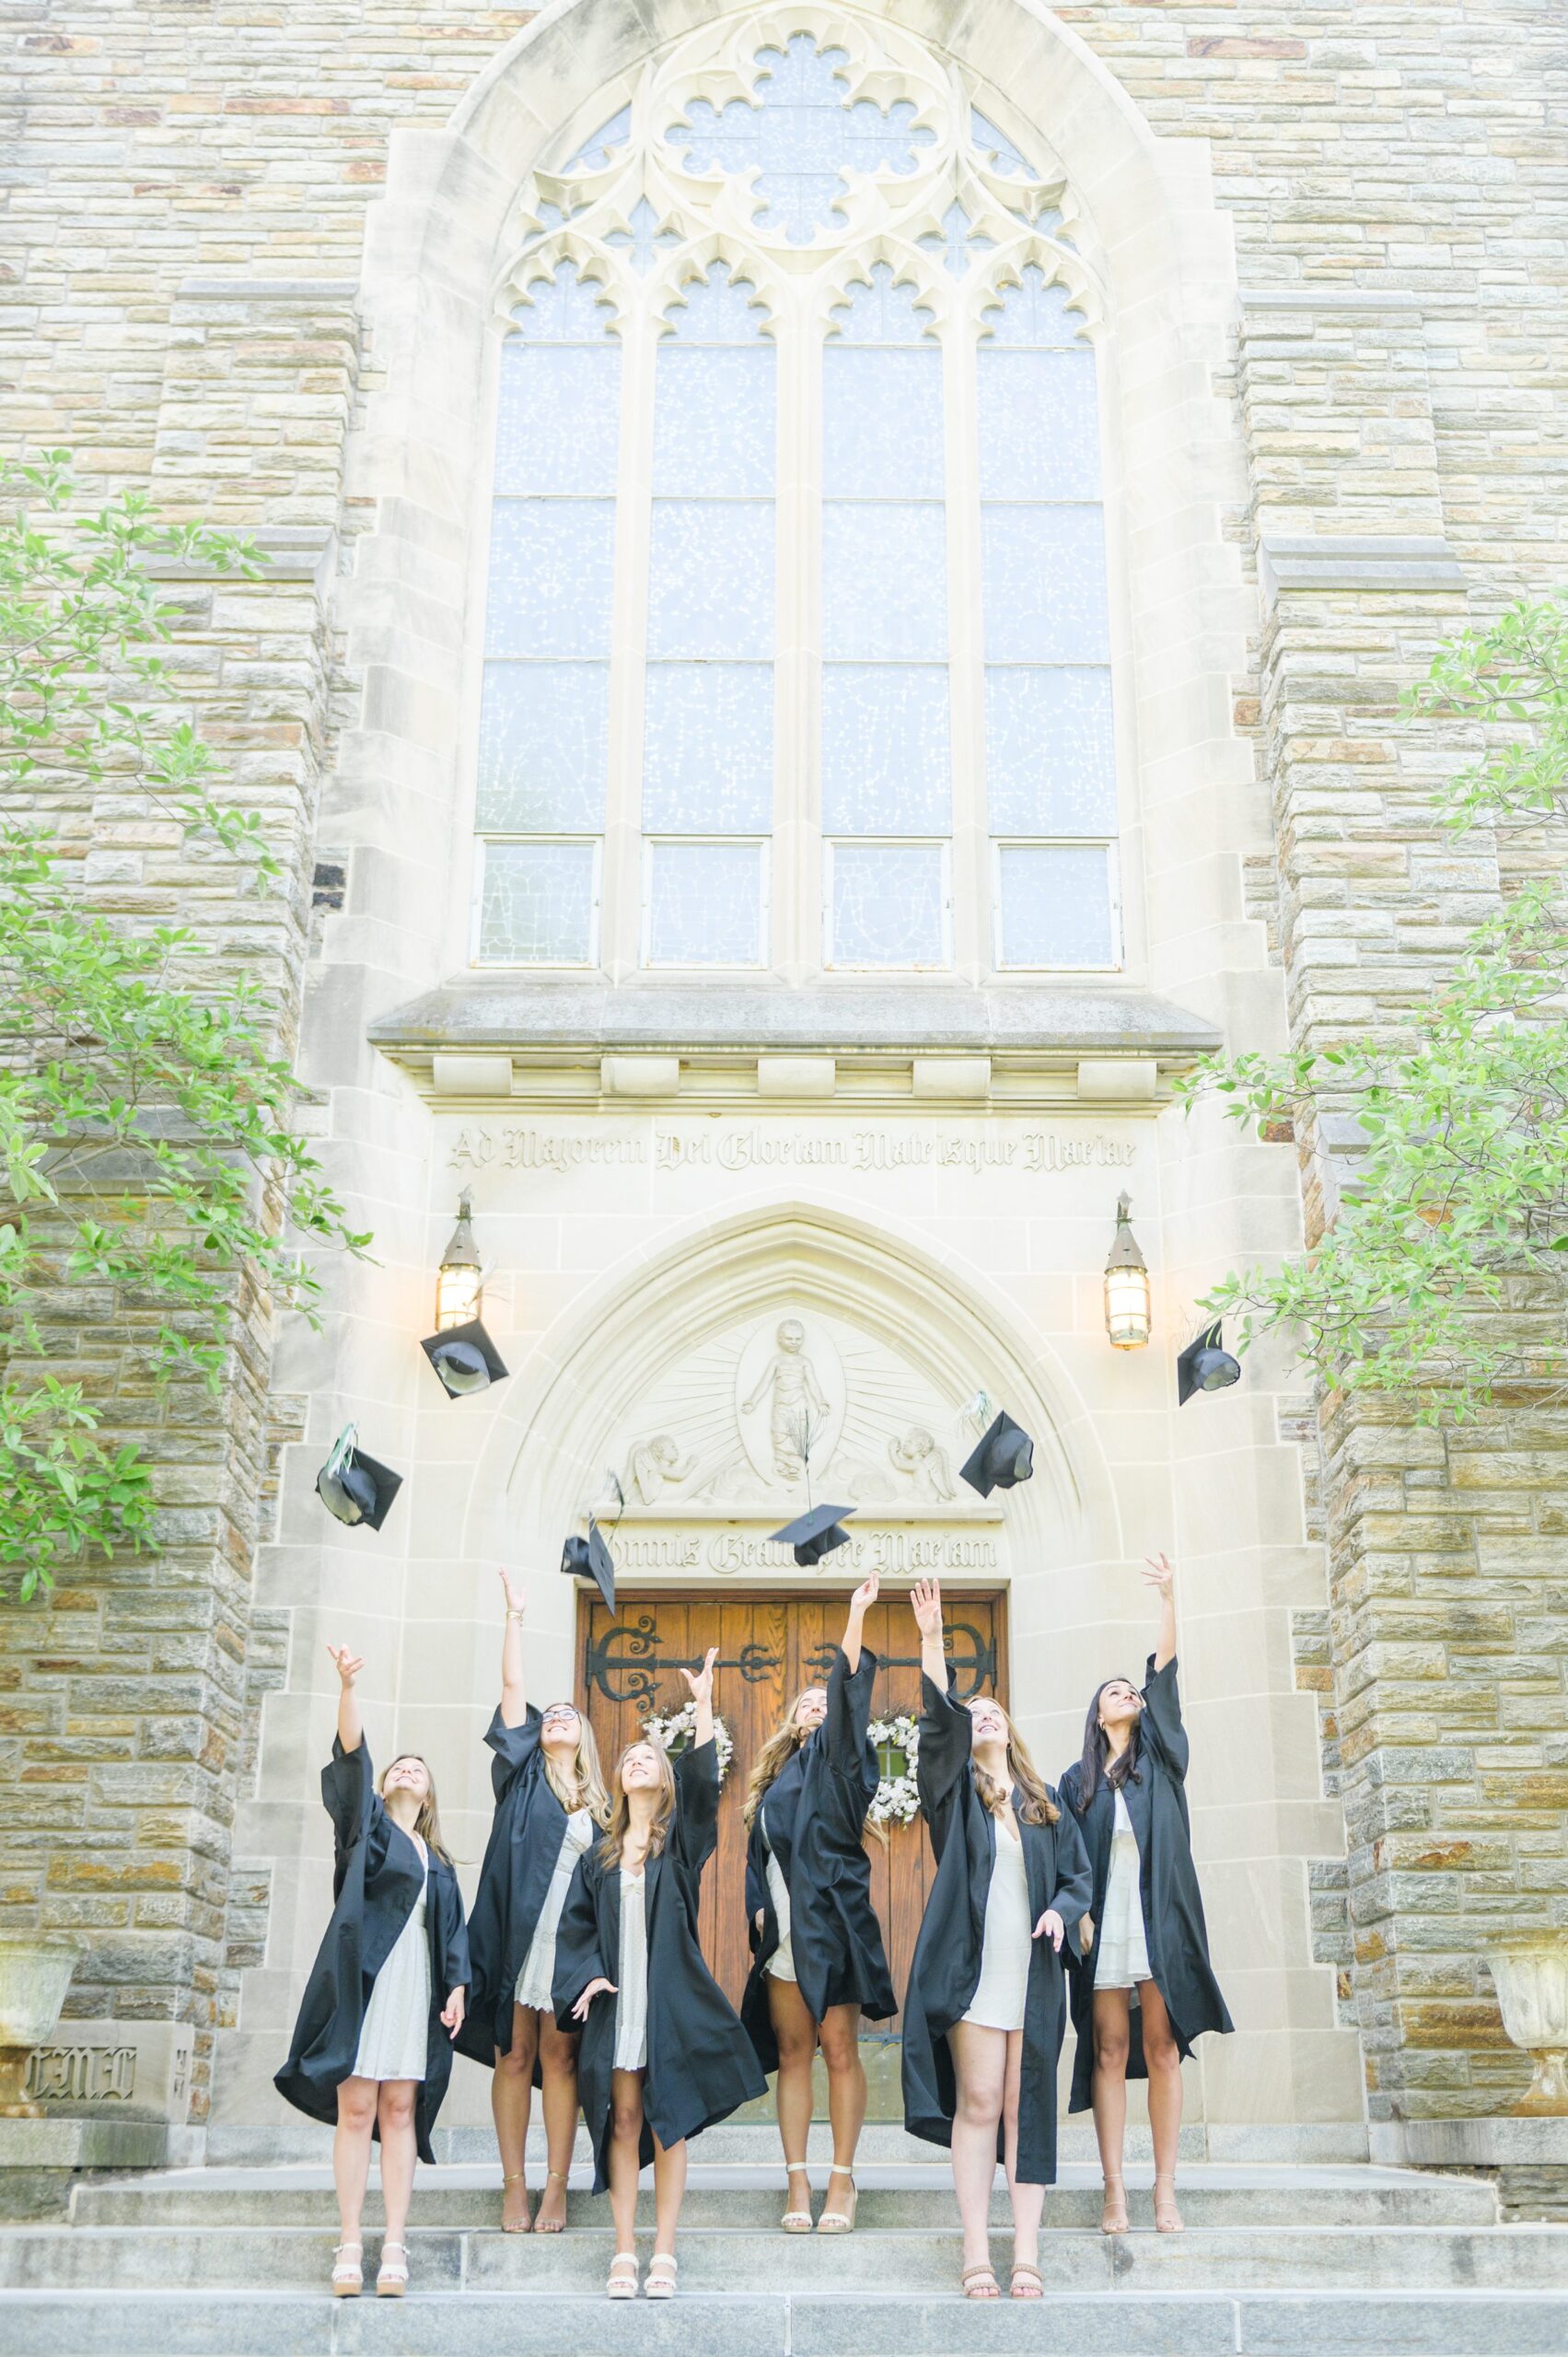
(898, 1797)
(677, 1728)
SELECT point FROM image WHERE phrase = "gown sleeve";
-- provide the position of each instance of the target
(1163, 1730)
(946, 1743)
(694, 1830)
(849, 1715)
(457, 1972)
(1075, 1879)
(756, 1874)
(512, 1747)
(578, 1959)
(348, 1792)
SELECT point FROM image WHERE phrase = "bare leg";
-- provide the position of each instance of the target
(1165, 2103)
(1112, 2034)
(846, 2100)
(797, 2035)
(399, 2152)
(980, 2061)
(1029, 2200)
(558, 2060)
(669, 2191)
(511, 2099)
(625, 2136)
(351, 2151)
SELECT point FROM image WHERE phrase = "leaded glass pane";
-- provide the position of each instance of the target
(884, 581)
(880, 308)
(537, 904)
(563, 308)
(882, 421)
(543, 747)
(714, 420)
(558, 418)
(995, 148)
(552, 576)
(888, 905)
(596, 151)
(1055, 905)
(717, 308)
(704, 904)
(1038, 424)
(708, 748)
(1044, 580)
(711, 588)
(959, 242)
(1033, 312)
(886, 750)
(1050, 752)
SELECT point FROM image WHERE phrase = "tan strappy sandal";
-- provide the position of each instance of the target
(660, 2287)
(1167, 2217)
(348, 2274)
(541, 2224)
(797, 2222)
(524, 2224)
(840, 2222)
(1028, 2283)
(622, 2286)
(391, 2277)
(980, 2283)
(1113, 2217)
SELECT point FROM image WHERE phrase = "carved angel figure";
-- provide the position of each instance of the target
(655, 1464)
(919, 1459)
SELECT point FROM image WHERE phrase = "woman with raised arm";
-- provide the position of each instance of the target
(985, 2012)
(1143, 1986)
(818, 1959)
(372, 2046)
(549, 1796)
(663, 2054)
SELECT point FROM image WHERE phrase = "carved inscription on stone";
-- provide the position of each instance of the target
(982, 1146)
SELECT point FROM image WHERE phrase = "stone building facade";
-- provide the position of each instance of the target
(264, 268)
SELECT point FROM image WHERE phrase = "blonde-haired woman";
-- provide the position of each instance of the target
(371, 2050)
(818, 1959)
(549, 1798)
(985, 2010)
(663, 2054)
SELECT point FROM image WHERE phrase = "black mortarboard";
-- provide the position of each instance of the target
(1006, 1456)
(353, 1488)
(465, 1358)
(590, 1559)
(1206, 1365)
(814, 1535)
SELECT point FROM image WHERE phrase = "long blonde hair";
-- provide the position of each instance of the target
(1037, 1807)
(427, 1824)
(775, 1757)
(620, 1807)
(587, 1789)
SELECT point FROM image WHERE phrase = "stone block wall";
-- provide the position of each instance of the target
(184, 226)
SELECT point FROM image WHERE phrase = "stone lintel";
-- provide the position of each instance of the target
(244, 289)
(1387, 564)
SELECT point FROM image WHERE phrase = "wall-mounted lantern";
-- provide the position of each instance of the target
(1127, 1308)
(461, 1352)
(459, 1287)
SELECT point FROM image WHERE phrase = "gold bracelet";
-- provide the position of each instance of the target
(514, 1616)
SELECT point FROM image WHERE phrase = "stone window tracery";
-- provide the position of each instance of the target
(797, 580)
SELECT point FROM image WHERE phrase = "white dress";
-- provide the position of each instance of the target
(1003, 1992)
(1122, 1958)
(394, 2037)
(539, 1965)
(632, 1998)
(780, 1964)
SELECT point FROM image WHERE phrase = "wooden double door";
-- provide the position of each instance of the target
(770, 1647)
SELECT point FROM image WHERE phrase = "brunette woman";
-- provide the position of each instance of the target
(818, 1962)
(371, 2047)
(549, 1798)
(985, 2010)
(1142, 1987)
(663, 2053)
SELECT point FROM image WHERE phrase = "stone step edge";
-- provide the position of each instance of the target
(1537, 2228)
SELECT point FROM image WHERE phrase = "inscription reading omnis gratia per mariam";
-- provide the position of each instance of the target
(481, 1148)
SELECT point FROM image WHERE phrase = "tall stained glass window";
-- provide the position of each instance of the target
(799, 589)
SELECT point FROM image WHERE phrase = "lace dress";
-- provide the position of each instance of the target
(780, 1964)
(394, 2038)
(1003, 1992)
(632, 1999)
(1122, 1958)
(539, 1965)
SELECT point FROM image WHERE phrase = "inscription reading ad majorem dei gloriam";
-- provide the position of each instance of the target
(991, 1147)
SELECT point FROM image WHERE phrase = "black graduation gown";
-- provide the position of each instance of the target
(815, 1815)
(945, 1973)
(701, 2066)
(526, 1834)
(1173, 1908)
(375, 1885)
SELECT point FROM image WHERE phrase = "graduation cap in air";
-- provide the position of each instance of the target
(465, 1358)
(1005, 1457)
(590, 1559)
(1206, 1365)
(353, 1488)
(814, 1535)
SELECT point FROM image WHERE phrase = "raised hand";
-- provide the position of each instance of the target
(1161, 1571)
(702, 1681)
(1161, 1574)
(865, 1597)
(599, 1987)
(349, 1664)
(925, 1598)
(452, 2011)
(512, 1588)
(1053, 1928)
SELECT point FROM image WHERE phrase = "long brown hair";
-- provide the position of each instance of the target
(1097, 1765)
(775, 1757)
(427, 1824)
(1036, 1808)
(589, 1791)
(620, 1807)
